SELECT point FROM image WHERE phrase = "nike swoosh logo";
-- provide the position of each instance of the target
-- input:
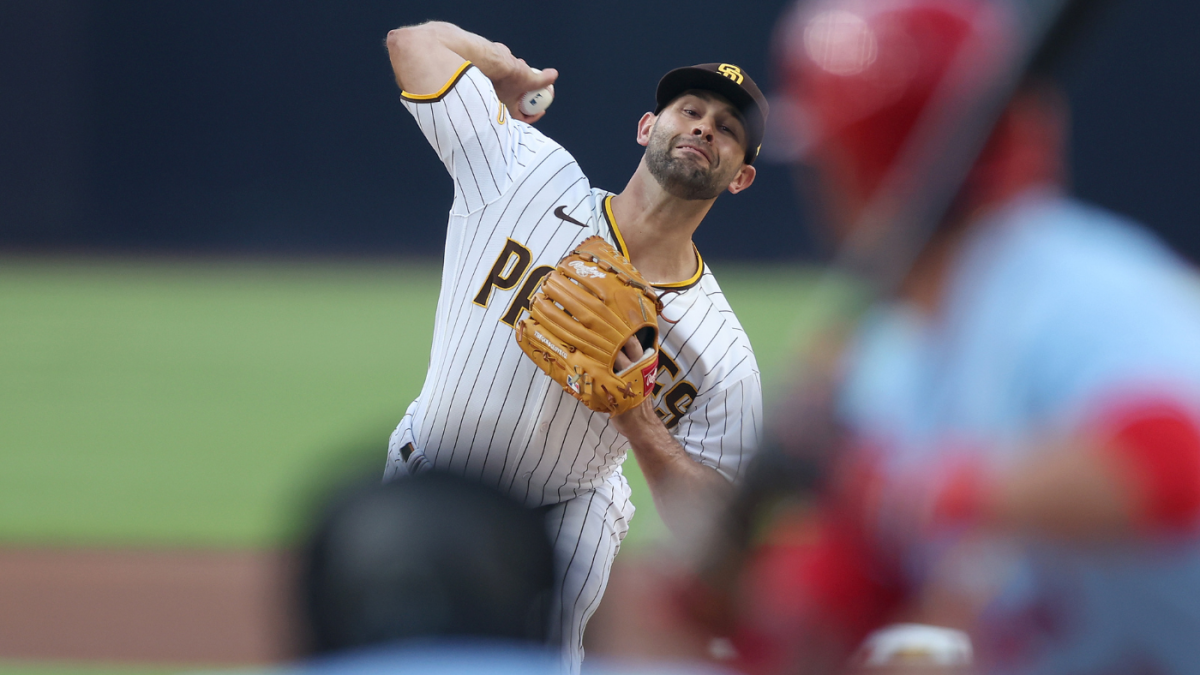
(561, 212)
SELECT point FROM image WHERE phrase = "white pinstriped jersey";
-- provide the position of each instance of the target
(521, 203)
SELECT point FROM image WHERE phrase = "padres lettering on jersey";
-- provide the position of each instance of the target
(519, 256)
(521, 203)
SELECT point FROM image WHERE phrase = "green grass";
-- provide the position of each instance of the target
(209, 404)
(194, 403)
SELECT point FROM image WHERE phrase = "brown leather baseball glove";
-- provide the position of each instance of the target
(584, 312)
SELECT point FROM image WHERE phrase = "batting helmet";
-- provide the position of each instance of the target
(428, 556)
(860, 73)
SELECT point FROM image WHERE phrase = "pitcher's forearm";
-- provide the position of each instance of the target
(685, 491)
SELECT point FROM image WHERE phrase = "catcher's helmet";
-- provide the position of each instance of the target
(859, 73)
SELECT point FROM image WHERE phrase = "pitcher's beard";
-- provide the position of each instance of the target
(681, 177)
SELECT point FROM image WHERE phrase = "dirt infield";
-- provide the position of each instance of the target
(131, 606)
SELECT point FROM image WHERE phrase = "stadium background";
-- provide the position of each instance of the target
(220, 235)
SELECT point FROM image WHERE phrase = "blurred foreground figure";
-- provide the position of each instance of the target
(1021, 456)
(914, 649)
(430, 574)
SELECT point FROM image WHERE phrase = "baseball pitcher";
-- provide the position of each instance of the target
(575, 324)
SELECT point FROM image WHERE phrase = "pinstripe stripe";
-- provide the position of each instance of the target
(577, 634)
(510, 448)
(587, 533)
(487, 110)
(460, 297)
(474, 261)
(578, 540)
(470, 167)
(696, 361)
(506, 344)
(588, 416)
(572, 406)
(482, 150)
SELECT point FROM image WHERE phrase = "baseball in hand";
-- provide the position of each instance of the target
(534, 102)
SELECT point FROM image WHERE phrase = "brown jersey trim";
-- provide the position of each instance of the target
(612, 227)
(440, 93)
(623, 250)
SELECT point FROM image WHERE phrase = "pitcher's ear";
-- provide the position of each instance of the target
(743, 179)
(644, 127)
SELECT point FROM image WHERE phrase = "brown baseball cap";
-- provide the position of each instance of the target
(727, 80)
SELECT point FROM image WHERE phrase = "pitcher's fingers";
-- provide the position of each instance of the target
(633, 349)
(622, 362)
(629, 354)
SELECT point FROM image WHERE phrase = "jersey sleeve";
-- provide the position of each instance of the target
(723, 432)
(471, 132)
(1129, 335)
